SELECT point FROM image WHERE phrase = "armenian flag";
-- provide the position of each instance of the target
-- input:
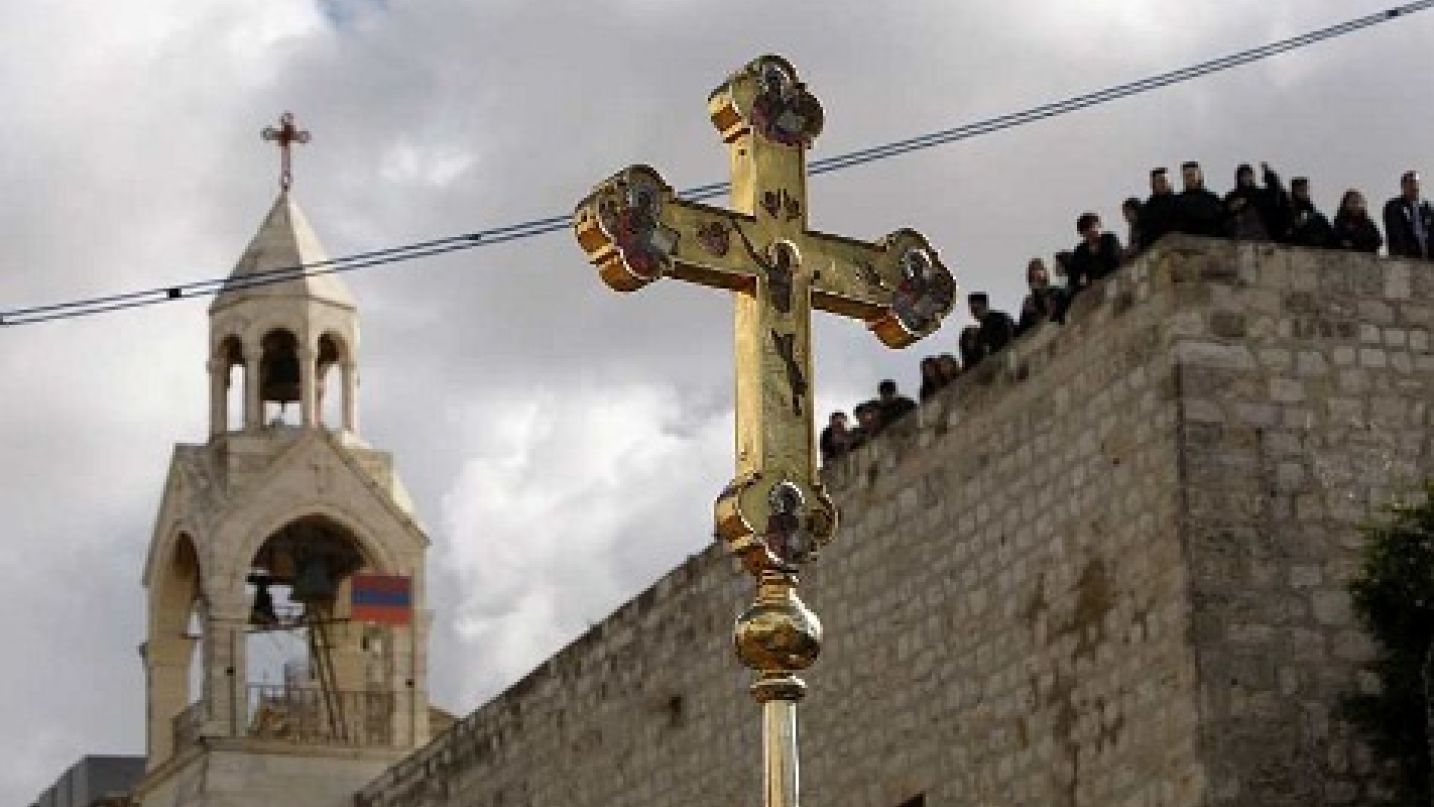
(384, 598)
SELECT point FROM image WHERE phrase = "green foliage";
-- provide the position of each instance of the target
(1394, 597)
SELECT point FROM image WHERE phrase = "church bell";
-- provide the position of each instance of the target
(281, 378)
(313, 581)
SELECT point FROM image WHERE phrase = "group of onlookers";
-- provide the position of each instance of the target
(1266, 211)
(872, 417)
(1261, 211)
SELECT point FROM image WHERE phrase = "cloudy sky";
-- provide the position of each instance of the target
(563, 442)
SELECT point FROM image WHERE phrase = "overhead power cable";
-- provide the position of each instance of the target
(528, 229)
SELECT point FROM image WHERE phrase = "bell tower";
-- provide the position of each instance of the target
(281, 339)
(285, 656)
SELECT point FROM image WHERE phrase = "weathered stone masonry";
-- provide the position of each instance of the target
(1106, 568)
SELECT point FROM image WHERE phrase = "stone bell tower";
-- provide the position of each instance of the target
(284, 524)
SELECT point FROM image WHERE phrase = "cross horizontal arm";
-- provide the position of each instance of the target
(712, 245)
(897, 285)
(635, 230)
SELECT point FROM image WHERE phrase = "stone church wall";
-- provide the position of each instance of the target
(1304, 382)
(1106, 568)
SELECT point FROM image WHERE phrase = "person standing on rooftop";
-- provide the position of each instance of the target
(1353, 229)
(1045, 302)
(1130, 209)
(1409, 221)
(1200, 211)
(1308, 226)
(1160, 213)
(1097, 255)
(996, 329)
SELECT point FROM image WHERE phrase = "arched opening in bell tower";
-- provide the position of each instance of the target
(314, 675)
(280, 378)
(229, 356)
(173, 662)
(331, 390)
(195, 633)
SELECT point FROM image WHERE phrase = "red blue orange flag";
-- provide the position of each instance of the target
(381, 598)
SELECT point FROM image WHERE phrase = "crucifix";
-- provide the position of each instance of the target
(774, 515)
(286, 134)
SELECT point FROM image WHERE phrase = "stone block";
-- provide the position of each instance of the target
(1187, 323)
(1214, 354)
(1275, 358)
(1346, 410)
(1396, 281)
(1311, 363)
(1305, 576)
(1205, 411)
(1331, 607)
(1286, 390)
(1301, 302)
(1376, 311)
(1353, 382)
(1257, 414)
(1228, 324)
(1419, 340)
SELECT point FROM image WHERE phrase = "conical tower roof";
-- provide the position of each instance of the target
(284, 241)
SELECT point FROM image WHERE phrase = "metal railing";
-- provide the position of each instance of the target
(308, 715)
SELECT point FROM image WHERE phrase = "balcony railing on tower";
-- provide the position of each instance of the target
(313, 716)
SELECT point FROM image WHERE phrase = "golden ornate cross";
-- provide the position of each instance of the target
(286, 134)
(774, 515)
(635, 231)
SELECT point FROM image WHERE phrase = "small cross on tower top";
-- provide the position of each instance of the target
(284, 135)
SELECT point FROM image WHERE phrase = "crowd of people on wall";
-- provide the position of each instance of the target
(1257, 209)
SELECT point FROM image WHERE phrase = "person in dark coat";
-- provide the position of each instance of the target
(1242, 208)
(1274, 203)
(950, 368)
(1308, 226)
(1062, 261)
(931, 378)
(891, 404)
(1160, 213)
(1200, 212)
(1409, 221)
(868, 423)
(836, 439)
(1254, 213)
(1134, 238)
(1097, 255)
(1353, 229)
(1045, 303)
(997, 329)
(972, 352)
